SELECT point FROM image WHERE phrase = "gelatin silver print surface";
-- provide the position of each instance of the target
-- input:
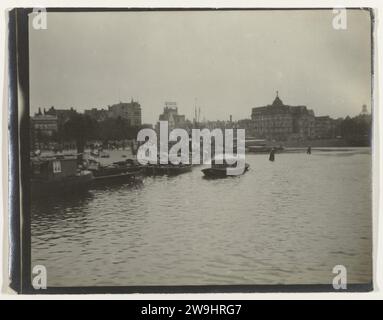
(201, 148)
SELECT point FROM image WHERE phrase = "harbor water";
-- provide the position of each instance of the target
(284, 222)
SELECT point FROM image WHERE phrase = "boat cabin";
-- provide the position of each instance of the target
(54, 168)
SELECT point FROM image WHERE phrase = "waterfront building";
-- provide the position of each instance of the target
(44, 124)
(43, 128)
(282, 122)
(363, 126)
(217, 124)
(170, 114)
(365, 116)
(364, 111)
(324, 127)
(96, 114)
(62, 115)
(129, 111)
(246, 124)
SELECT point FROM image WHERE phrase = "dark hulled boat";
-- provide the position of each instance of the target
(57, 175)
(220, 170)
(124, 171)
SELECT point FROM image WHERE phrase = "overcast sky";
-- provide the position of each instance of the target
(226, 61)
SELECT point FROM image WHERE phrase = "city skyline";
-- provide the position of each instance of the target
(196, 110)
(225, 62)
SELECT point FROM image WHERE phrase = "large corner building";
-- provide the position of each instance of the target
(278, 121)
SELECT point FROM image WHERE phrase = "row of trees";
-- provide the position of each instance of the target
(357, 130)
(357, 126)
(81, 129)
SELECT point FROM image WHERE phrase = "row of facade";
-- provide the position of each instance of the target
(284, 122)
(47, 122)
(130, 111)
(275, 121)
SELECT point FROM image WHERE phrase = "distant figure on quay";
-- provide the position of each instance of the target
(309, 150)
(272, 154)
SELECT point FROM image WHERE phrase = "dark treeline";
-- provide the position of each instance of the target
(82, 129)
(356, 131)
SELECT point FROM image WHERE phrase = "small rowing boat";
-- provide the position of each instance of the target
(220, 170)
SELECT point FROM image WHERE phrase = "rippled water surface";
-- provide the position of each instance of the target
(284, 222)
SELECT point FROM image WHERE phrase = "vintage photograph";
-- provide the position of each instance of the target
(200, 148)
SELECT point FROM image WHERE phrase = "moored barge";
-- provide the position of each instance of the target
(57, 175)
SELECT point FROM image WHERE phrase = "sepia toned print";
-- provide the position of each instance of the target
(205, 147)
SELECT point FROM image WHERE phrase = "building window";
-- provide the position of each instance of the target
(56, 166)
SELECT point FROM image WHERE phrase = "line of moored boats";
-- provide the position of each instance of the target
(60, 173)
